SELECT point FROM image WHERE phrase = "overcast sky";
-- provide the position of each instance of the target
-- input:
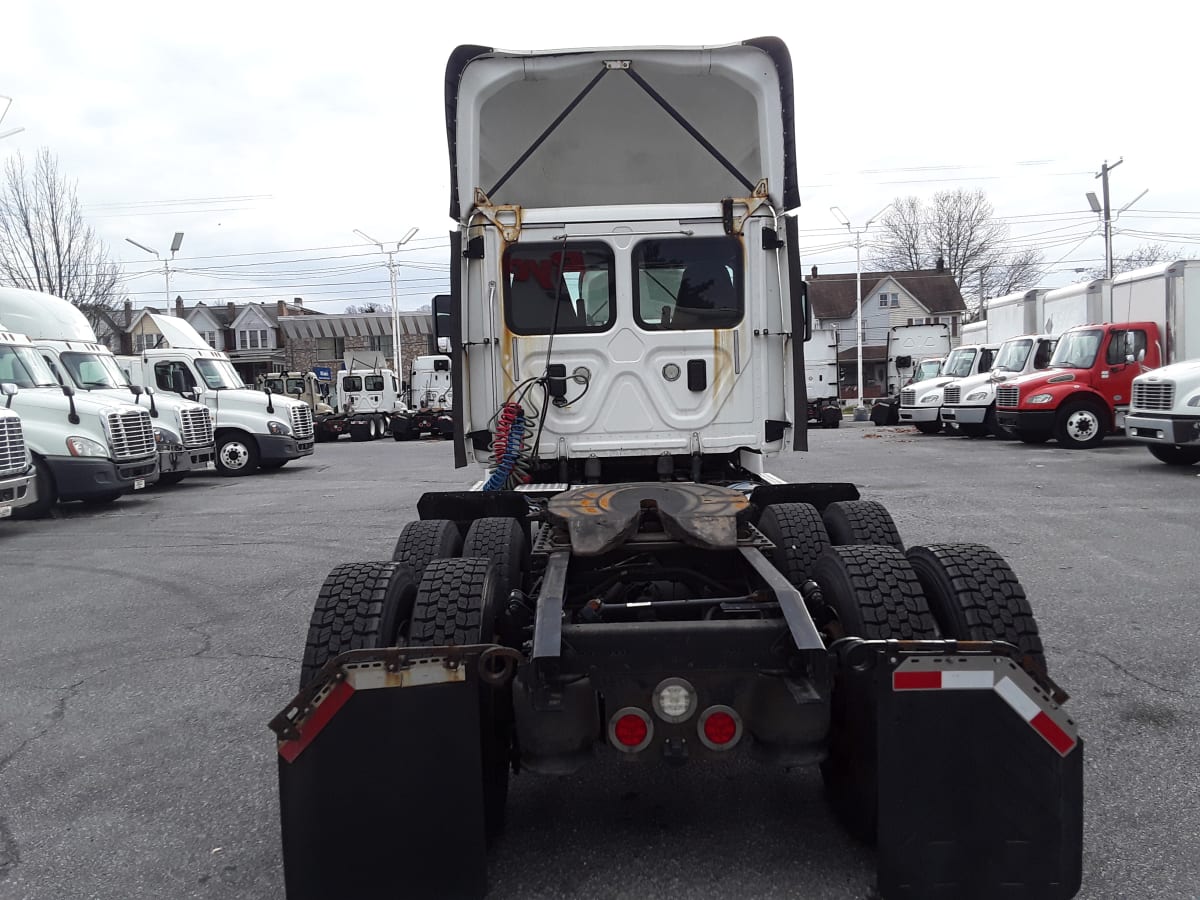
(268, 132)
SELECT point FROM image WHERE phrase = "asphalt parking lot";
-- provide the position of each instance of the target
(143, 649)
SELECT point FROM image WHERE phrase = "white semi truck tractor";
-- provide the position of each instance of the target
(82, 448)
(16, 465)
(183, 429)
(254, 429)
(627, 580)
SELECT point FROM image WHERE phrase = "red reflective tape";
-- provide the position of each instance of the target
(916, 681)
(1055, 736)
(320, 717)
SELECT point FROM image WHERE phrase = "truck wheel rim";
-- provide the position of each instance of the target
(1082, 425)
(234, 455)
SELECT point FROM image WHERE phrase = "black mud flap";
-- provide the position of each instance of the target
(380, 778)
(980, 778)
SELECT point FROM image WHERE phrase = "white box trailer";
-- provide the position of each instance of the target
(1015, 314)
(1164, 409)
(1083, 303)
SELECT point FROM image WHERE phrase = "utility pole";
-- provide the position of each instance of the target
(857, 245)
(1103, 176)
(394, 284)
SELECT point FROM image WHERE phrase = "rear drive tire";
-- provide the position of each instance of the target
(457, 603)
(875, 594)
(360, 606)
(799, 537)
(425, 540)
(45, 489)
(503, 541)
(861, 522)
(928, 427)
(975, 596)
(1174, 455)
(973, 430)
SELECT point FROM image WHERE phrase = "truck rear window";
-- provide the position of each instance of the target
(688, 283)
(567, 290)
(373, 382)
(352, 383)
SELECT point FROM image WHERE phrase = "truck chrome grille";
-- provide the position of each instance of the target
(302, 423)
(12, 446)
(197, 427)
(131, 434)
(908, 397)
(1157, 395)
(1008, 396)
(951, 396)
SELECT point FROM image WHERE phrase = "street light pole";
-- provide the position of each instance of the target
(176, 242)
(394, 286)
(841, 217)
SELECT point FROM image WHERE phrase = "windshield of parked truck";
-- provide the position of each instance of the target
(274, 384)
(1077, 349)
(24, 368)
(959, 362)
(295, 386)
(219, 374)
(927, 369)
(1013, 355)
(92, 371)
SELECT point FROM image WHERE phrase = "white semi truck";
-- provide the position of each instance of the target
(627, 581)
(254, 429)
(17, 487)
(82, 448)
(1164, 408)
(1012, 321)
(183, 429)
(921, 403)
(822, 386)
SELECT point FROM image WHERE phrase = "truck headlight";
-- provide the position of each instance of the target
(165, 436)
(81, 446)
(976, 395)
(935, 397)
(276, 427)
(1195, 401)
(1040, 398)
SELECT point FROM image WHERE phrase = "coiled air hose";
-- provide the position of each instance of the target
(510, 450)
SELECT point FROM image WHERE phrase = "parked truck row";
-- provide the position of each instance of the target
(1082, 362)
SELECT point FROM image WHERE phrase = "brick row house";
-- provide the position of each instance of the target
(285, 336)
(916, 297)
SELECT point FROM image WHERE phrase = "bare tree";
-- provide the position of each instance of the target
(45, 244)
(1140, 257)
(371, 307)
(959, 227)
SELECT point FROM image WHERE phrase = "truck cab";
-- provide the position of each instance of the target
(254, 429)
(1084, 392)
(16, 466)
(971, 402)
(921, 404)
(82, 448)
(1164, 413)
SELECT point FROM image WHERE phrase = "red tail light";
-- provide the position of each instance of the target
(630, 729)
(720, 727)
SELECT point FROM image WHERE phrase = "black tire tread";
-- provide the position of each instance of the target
(861, 522)
(349, 611)
(976, 596)
(799, 536)
(875, 593)
(424, 540)
(451, 602)
(503, 541)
